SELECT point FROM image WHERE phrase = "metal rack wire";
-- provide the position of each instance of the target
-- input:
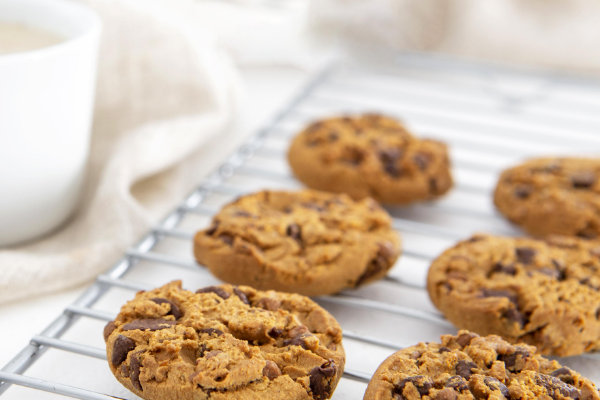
(474, 107)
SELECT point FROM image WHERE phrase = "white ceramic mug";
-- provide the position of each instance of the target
(46, 107)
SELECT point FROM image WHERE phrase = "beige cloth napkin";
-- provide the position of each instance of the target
(165, 88)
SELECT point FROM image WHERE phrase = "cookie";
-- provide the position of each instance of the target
(370, 156)
(552, 196)
(305, 242)
(224, 342)
(468, 366)
(544, 293)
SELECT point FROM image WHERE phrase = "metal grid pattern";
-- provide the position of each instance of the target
(492, 117)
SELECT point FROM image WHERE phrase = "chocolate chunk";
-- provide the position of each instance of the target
(381, 262)
(216, 290)
(201, 351)
(108, 329)
(446, 394)
(525, 255)
(389, 155)
(458, 383)
(174, 309)
(353, 156)
(463, 368)
(512, 314)
(211, 331)
(297, 341)
(564, 374)
(294, 232)
(320, 380)
(495, 385)
(465, 339)
(267, 303)
(443, 350)
(501, 293)
(556, 387)
(241, 295)
(297, 331)
(122, 346)
(152, 324)
(226, 238)
(422, 160)
(422, 383)
(213, 228)
(523, 191)
(508, 269)
(124, 370)
(583, 179)
(134, 371)
(275, 333)
(551, 272)
(271, 370)
(510, 360)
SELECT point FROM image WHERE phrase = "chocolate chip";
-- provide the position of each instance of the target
(389, 159)
(446, 394)
(500, 293)
(525, 255)
(381, 262)
(294, 232)
(275, 333)
(226, 238)
(508, 269)
(523, 191)
(463, 368)
(297, 341)
(514, 315)
(211, 331)
(124, 370)
(443, 350)
(108, 329)
(201, 351)
(495, 385)
(213, 228)
(422, 160)
(556, 387)
(212, 354)
(271, 370)
(457, 383)
(353, 156)
(122, 346)
(297, 331)
(320, 380)
(216, 290)
(465, 339)
(134, 370)
(422, 383)
(267, 303)
(564, 374)
(510, 360)
(174, 309)
(583, 179)
(152, 324)
(241, 295)
(433, 186)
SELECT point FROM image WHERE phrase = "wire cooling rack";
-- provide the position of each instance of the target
(491, 116)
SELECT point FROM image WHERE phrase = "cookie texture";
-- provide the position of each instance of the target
(552, 196)
(307, 242)
(224, 342)
(468, 366)
(370, 156)
(544, 293)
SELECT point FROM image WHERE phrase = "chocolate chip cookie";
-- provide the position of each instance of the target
(468, 366)
(224, 342)
(370, 156)
(552, 196)
(307, 242)
(544, 293)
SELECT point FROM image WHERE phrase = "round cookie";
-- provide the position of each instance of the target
(544, 293)
(468, 366)
(552, 196)
(307, 242)
(225, 342)
(370, 156)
